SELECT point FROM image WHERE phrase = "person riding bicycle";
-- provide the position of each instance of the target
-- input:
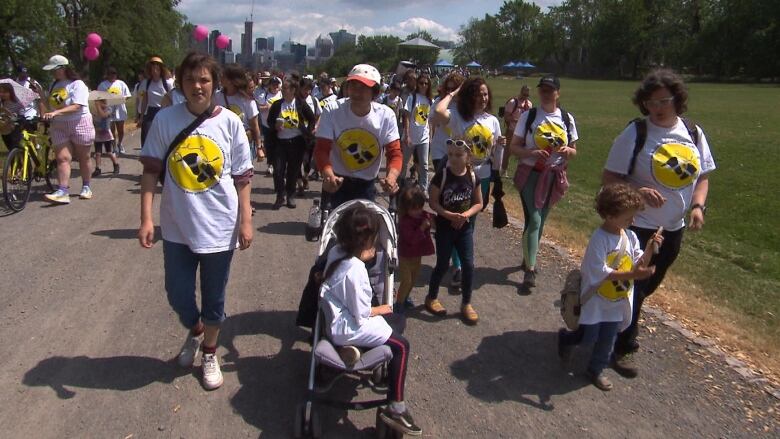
(12, 110)
(351, 139)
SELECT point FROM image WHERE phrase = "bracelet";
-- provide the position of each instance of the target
(700, 206)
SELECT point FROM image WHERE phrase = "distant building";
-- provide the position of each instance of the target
(323, 48)
(299, 53)
(228, 57)
(341, 38)
(213, 50)
(261, 44)
(271, 44)
(199, 46)
(246, 44)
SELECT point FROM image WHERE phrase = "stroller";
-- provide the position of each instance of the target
(373, 362)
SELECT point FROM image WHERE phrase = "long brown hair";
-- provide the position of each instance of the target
(468, 95)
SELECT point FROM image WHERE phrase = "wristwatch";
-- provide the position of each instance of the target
(700, 206)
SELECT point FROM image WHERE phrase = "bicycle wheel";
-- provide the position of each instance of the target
(17, 180)
(51, 169)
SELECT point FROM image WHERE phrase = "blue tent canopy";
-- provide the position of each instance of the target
(528, 65)
(509, 65)
(443, 63)
(473, 64)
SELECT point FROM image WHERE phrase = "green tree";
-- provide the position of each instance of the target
(29, 34)
(379, 50)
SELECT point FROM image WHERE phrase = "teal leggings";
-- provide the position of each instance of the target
(485, 186)
(534, 220)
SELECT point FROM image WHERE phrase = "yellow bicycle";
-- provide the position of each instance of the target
(33, 160)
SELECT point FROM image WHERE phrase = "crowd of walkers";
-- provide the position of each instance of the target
(220, 120)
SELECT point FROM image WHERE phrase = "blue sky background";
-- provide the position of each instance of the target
(304, 20)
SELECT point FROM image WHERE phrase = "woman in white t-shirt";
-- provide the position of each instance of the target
(439, 133)
(265, 97)
(545, 139)
(670, 168)
(205, 211)
(114, 85)
(417, 109)
(153, 89)
(293, 124)
(236, 97)
(71, 132)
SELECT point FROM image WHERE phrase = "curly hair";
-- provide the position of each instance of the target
(614, 199)
(657, 79)
(467, 97)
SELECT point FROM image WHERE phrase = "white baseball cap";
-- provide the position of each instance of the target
(366, 74)
(55, 62)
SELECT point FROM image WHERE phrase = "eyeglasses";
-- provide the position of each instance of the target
(459, 143)
(659, 102)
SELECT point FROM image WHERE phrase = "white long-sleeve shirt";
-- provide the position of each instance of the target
(346, 298)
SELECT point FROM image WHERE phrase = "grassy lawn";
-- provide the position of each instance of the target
(736, 258)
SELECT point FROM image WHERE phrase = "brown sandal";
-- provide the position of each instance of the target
(435, 307)
(470, 317)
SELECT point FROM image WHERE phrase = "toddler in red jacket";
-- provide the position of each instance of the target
(414, 242)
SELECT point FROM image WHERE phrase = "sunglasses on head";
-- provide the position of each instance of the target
(459, 143)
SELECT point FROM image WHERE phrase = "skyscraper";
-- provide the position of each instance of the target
(213, 51)
(341, 38)
(271, 44)
(246, 41)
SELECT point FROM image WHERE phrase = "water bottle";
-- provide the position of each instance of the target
(313, 225)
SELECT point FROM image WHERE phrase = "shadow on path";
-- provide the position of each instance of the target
(273, 385)
(289, 228)
(517, 366)
(126, 233)
(121, 373)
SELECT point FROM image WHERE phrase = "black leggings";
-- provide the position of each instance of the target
(148, 118)
(626, 340)
(13, 139)
(288, 154)
(399, 345)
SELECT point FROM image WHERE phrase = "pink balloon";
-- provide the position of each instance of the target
(91, 53)
(200, 33)
(222, 41)
(94, 40)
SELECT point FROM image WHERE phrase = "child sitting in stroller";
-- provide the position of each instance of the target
(352, 322)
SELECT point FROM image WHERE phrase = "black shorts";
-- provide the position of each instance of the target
(107, 146)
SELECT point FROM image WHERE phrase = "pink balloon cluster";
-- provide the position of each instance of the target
(222, 41)
(94, 41)
(200, 33)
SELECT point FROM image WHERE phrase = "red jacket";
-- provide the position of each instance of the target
(412, 241)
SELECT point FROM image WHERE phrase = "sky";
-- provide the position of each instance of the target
(304, 20)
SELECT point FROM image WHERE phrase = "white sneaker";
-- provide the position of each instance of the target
(86, 193)
(59, 196)
(189, 350)
(212, 375)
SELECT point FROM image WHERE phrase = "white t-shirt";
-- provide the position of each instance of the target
(481, 132)
(314, 104)
(288, 115)
(670, 163)
(241, 106)
(418, 118)
(602, 250)
(327, 101)
(177, 97)
(117, 87)
(358, 142)
(346, 298)
(155, 92)
(266, 98)
(547, 132)
(199, 206)
(440, 133)
(67, 92)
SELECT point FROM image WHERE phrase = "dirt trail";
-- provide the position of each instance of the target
(89, 336)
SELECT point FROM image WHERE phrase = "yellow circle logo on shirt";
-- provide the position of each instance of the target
(58, 97)
(421, 113)
(480, 137)
(114, 90)
(615, 290)
(236, 110)
(549, 135)
(290, 117)
(675, 165)
(196, 164)
(358, 148)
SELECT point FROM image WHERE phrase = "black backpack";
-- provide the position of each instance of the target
(640, 124)
(564, 116)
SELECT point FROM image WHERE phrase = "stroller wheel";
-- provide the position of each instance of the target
(307, 422)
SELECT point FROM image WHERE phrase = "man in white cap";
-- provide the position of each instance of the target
(351, 139)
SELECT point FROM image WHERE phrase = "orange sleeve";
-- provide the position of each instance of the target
(395, 158)
(322, 154)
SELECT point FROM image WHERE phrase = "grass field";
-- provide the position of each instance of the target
(736, 258)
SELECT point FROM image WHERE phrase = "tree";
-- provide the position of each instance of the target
(29, 34)
(423, 56)
(379, 50)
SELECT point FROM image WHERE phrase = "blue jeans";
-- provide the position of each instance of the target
(601, 335)
(448, 239)
(180, 267)
(421, 151)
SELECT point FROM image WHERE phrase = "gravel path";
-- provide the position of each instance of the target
(93, 338)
